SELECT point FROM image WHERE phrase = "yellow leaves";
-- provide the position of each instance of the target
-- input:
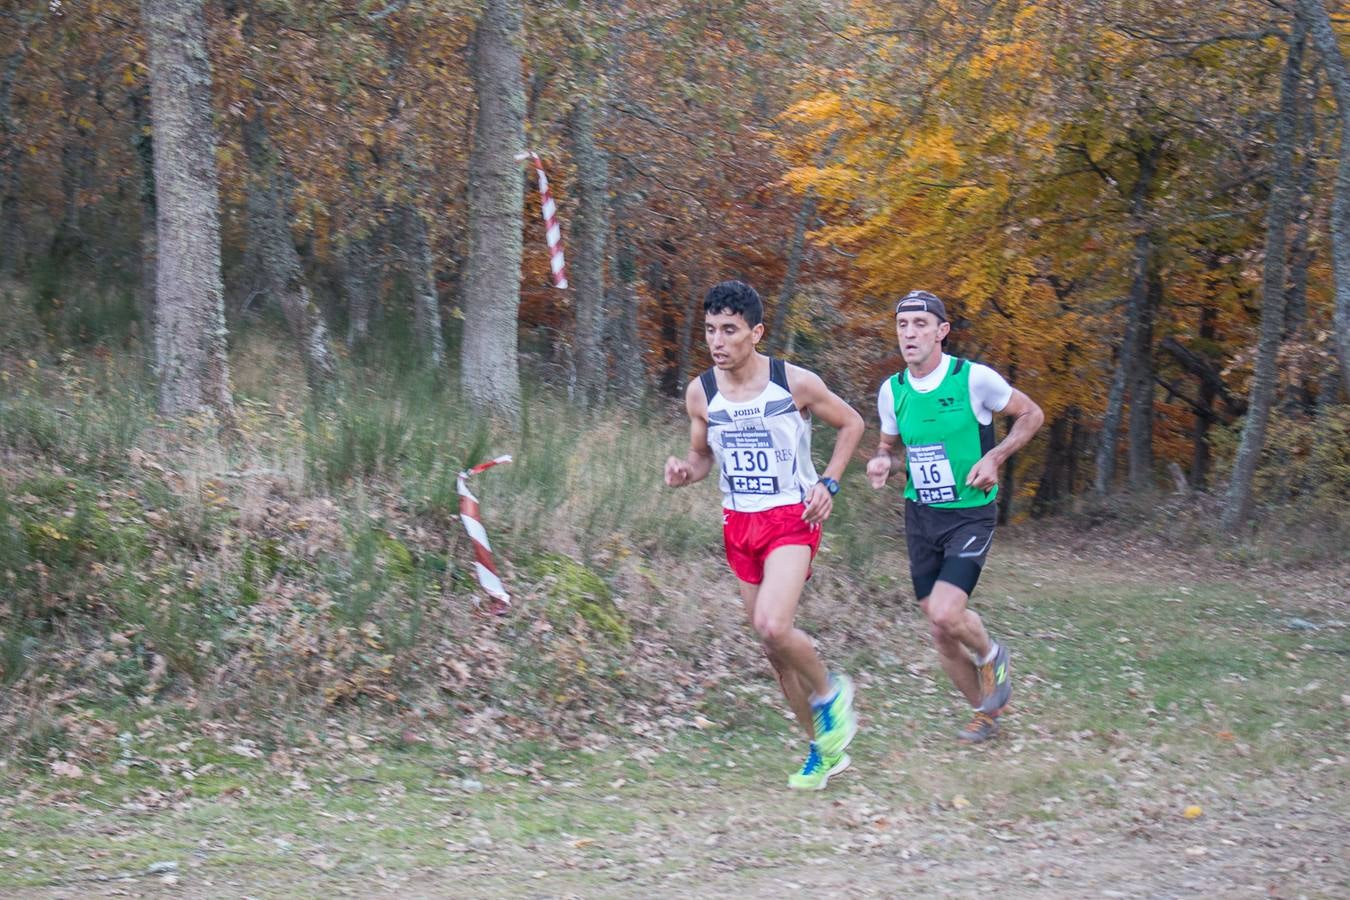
(52, 532)
(937, 146)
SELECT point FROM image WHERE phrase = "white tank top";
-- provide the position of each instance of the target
(762, 446)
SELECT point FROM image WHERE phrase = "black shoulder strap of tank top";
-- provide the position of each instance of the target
(778, 373)
(959, 363)
(709, 379)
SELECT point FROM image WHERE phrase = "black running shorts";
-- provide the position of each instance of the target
(947, 544)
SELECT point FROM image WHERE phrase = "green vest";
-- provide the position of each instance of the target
(943, 439)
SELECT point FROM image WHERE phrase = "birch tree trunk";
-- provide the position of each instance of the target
(274, 249)
(1318, 23)
(1238, 504)
(488, 362)
(190, 338)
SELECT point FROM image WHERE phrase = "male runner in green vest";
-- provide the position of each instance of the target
(942, 409)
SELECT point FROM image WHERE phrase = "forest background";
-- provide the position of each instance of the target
(272, 274)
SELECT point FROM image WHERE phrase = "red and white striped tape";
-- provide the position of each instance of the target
(552, 231)
(482, 550)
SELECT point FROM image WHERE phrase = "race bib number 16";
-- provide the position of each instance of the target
(931, 473)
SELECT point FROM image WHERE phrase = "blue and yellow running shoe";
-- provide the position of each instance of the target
(834, 720)
(817, 769)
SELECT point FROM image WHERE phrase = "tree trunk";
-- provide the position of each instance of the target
(1200, 453)
(1142, 389)
(1238, 504)
(779, 340)
(1300, 250)
(782, 313)
(11, 156)
(1051, 488)
(190, 338)
(76, 164)
(488, 361)
(274, 250)
(590, 229)
(1134, 314)
(359, 286)
(630, 371)
(693, 322)
(426, 299)
(1318, 23)
(144, 146)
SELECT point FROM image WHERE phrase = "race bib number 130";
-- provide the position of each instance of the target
(747, 462)
(931, 473)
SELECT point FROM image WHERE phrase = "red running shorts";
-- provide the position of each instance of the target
(751, 536)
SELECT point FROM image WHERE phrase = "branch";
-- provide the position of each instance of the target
(670, 187)
(396, 6)
(1173, 391)
(1203, 369)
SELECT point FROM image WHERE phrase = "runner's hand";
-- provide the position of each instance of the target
(678, 472)
(818, 505)
(984, 474)
(878, 470)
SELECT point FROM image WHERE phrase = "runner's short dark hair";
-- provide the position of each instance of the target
(735, 298)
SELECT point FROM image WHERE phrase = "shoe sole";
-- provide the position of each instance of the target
(978, 740)
(838, 767)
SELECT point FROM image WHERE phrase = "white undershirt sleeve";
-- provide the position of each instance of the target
(886, 409)
(989, 393)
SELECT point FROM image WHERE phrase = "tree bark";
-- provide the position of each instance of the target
(590, 231)
(422, 272)
(190, 338)
(359, 285)
(144, 147)
(1238, 504)
(1204, 417)
(630, 370)
(1142, 388)
(488, 362)
(274, 250)
(782, 313)
(1318, 23)
(1300, 249)
(11, 157)
(1134, 312)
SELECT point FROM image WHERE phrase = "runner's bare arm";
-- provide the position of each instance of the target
(697, 463)
(811, 395)
(882, 463)
(1027, 419)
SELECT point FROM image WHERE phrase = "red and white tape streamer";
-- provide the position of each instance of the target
(482, 550)
(552, 231)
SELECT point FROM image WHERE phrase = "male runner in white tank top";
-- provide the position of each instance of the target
(750, 415)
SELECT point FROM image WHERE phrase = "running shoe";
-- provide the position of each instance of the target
(817, 769)
(982, 728)
(996, 682)
(834, 720)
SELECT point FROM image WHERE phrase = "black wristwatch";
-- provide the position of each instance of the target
(830, 484)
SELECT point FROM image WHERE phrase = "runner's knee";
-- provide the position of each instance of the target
(773, 631)
(944, 640)
(946, 620)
